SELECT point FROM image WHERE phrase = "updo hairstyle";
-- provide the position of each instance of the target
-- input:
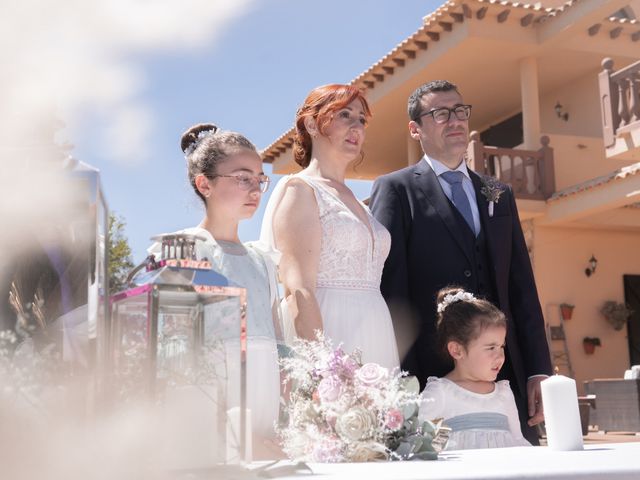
(463, 320)
(205, 146)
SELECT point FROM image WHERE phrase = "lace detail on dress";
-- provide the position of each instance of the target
(344, 263)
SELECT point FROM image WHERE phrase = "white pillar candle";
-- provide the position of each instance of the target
(561, 413)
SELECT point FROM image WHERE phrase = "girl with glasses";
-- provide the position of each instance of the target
(226, 173)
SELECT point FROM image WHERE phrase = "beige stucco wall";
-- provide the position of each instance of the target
(579, 153)
(560, 258)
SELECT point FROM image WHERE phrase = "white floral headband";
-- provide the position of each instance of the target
(201, 136)
(453, 298)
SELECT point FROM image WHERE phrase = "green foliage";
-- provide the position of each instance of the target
(120, 261)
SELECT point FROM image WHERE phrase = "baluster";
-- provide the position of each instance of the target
(537, 183)
(623, 106)
(507, 159)
(634, 104)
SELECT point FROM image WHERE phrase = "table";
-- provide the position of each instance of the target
(615, 461)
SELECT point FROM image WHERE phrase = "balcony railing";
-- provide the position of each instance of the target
(529, 172)
(619, 100)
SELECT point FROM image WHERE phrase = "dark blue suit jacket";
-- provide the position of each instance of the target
(428, 253)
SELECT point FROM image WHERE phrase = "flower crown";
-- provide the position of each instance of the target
(449, 298)
(201, 136)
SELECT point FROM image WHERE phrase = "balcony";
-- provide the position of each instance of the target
(620, 107)
(529, 172)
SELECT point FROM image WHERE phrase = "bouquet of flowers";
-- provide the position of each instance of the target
(343, 411)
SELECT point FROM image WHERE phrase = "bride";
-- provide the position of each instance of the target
(333, 250)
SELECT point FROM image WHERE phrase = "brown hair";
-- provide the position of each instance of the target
(414, 106)
(320, 105)
(205, 146)
(464, 320)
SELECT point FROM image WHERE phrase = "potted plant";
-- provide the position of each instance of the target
(589, 344)
(616, 314)
(566, 310)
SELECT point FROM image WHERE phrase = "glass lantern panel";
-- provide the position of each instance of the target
(199, 369)
(130, 340)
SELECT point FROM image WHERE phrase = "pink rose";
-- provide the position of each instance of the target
(394, 419)
(329, 389)
(371, 374)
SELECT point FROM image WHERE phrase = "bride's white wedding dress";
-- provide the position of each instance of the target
(352, 256)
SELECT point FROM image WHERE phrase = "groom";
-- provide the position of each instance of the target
(443, 233)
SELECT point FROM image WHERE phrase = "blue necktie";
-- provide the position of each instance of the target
(459, 198)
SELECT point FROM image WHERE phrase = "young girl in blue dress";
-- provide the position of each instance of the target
(226, 173)
(480, 411)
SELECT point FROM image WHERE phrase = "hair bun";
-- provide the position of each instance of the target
(190, 139)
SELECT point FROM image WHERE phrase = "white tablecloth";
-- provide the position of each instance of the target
(603, 461)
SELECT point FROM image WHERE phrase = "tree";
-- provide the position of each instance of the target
(120, 261)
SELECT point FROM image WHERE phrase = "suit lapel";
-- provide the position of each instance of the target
(427, 183)
(485, 222)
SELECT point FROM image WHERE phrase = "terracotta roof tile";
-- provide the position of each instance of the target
(619, 174)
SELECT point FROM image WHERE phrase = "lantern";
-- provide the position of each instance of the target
(179, 337)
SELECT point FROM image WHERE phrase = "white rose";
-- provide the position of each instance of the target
(355, 424)
(371, 374)
(368, 452)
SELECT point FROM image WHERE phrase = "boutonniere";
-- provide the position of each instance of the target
(491, 189)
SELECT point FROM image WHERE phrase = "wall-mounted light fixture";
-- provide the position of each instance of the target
(560, 113)
(591, 269)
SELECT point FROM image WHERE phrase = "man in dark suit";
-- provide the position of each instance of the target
(448, 228)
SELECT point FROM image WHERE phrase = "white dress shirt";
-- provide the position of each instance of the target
(439, 168)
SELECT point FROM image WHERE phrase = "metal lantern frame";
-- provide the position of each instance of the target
(180, 281)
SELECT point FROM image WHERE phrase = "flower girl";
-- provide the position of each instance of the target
(480, 411)
(225, 172)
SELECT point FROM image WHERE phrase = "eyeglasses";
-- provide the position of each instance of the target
(442, 115)
(247, 182)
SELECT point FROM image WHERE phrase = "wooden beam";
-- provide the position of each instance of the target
(435, 36)
(410, 53)
(526, 20)
(593, 29)
(399, 61)
(457, 17)
(615, 33)
(467, 10)
(369, 84)
(481, 13)
(635, 36)
(503, 15)
(446, 26)
(388, 70)
(421, 44)
(378, 77)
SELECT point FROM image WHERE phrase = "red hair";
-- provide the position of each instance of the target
(320, 105)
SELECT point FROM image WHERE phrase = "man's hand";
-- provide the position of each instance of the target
(534, 397)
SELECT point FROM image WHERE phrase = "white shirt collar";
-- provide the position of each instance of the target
(439, 168)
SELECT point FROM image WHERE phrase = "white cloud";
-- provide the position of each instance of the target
(130, 129)
(76, 55)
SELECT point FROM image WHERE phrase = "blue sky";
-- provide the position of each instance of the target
(249, 76)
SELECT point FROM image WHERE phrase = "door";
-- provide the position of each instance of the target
(632, 299)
